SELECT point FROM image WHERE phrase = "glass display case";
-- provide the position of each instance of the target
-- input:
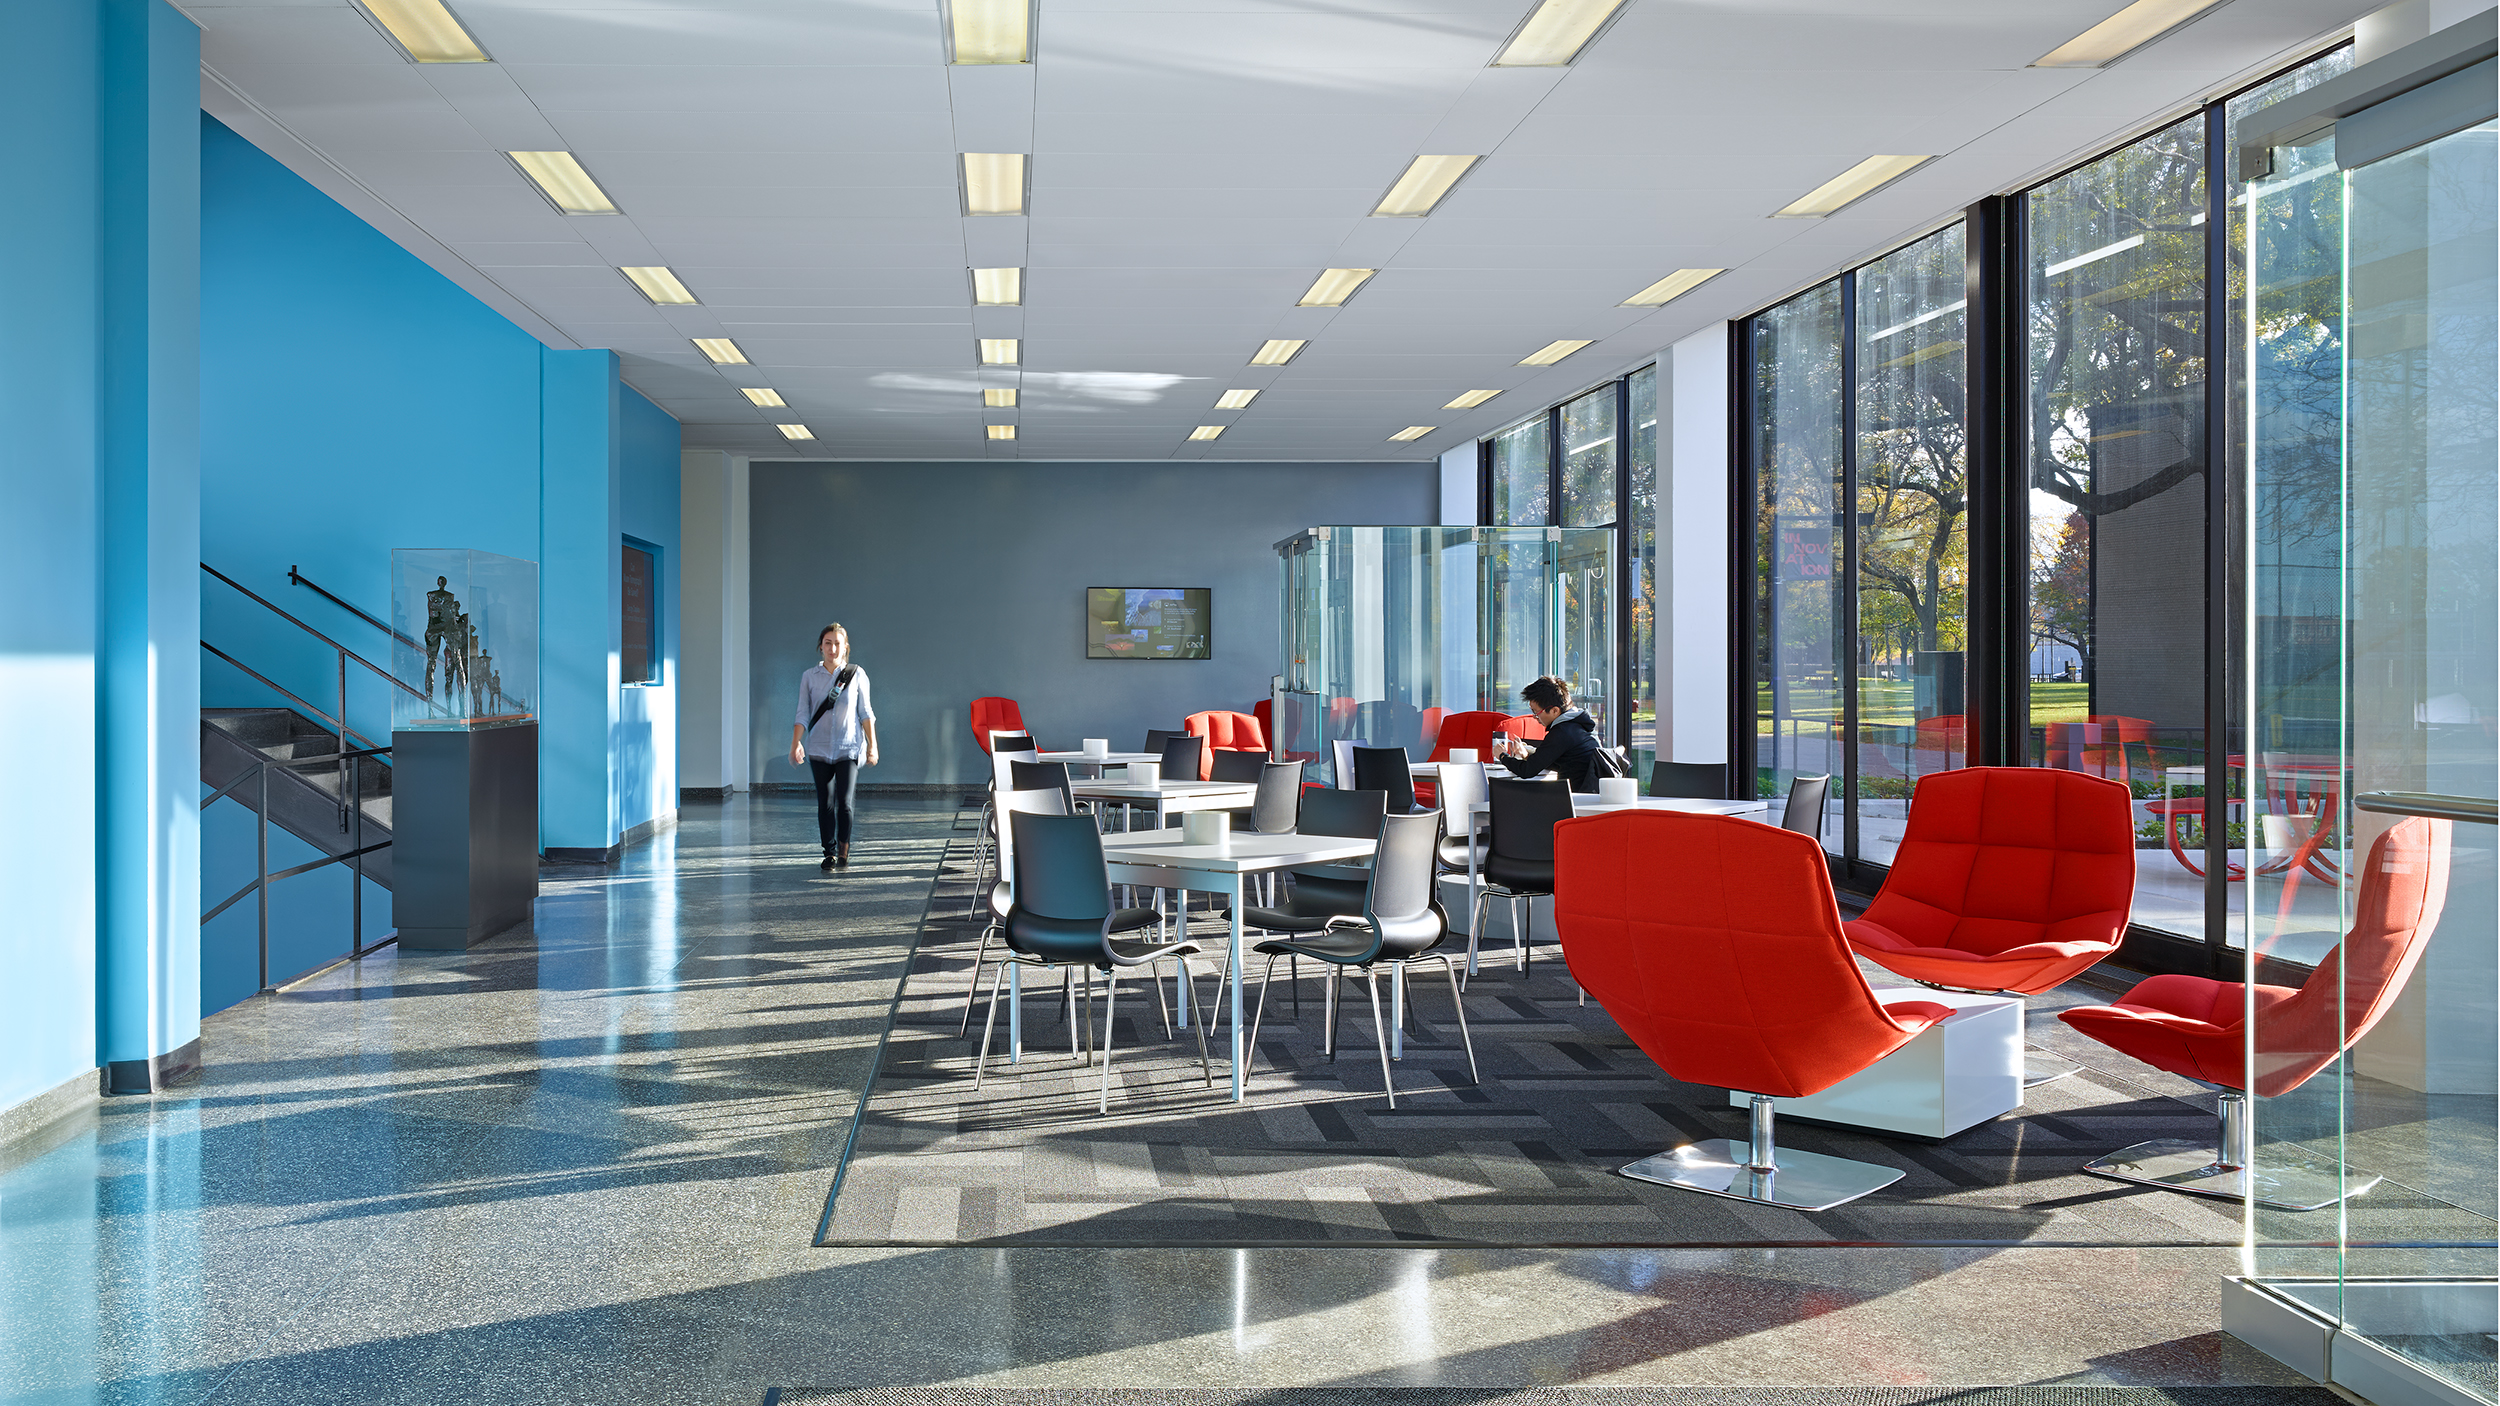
(1388, 629)
(2370, 764)
(465, 627)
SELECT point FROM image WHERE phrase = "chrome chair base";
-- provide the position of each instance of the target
(2177, 1164)
(2041, 1069)
(1800, 1181)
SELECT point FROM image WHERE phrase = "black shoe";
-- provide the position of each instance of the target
(843, 859)
(827, 866)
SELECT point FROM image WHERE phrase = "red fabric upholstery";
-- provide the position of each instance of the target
(994, 715)
(1224, 732)
(2195, 1027)
(2007, 879)
(1714, 942)
(1466, 731)
(1523, 726)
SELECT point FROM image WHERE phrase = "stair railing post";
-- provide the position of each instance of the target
(263, 829)
(356, 875)
(345, 800)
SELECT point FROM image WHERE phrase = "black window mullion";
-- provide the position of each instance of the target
(1997, 677)
(1624, 529)
(1845, 633)
(1553, 466)
(1484, 482)
(1744, 583)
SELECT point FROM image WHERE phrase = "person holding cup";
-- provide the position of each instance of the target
(1570, 746)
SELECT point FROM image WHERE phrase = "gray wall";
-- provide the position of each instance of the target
(959, 580)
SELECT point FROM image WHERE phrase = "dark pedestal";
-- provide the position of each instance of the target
(464, 834)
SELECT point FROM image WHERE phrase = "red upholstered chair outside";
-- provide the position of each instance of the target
(994, 715)
(1224, 732)
(1715, 943)
(1946, 738)
(2197, 1029)
(2008, 879)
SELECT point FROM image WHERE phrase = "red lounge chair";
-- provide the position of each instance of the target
(994, 715)
(1224, 732)
(1714, 942)
(2197, 1029)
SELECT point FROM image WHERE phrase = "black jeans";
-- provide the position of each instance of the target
(835, 781)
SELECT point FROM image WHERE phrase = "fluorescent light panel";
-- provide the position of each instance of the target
(1850, 186)
(1427, 179)
(993, 183)
(1206, 432)
(561, 179)
(998, 288)
(999, 399)
(1235, 400)
(1333, 287)
(1671, 287)
(1411, 432)
(989, 31)
(1555, 32)
(427, 31)
(1276, 352)
(2123, 33)
(764, 396)
(658, 284)
(1552, 352)
(1002, 431)
(1471, 400)
(721, 350)
(795, 432)
(998, 351)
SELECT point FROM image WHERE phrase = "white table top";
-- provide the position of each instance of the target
(1107, 759)
(1249, 852)
(1243, 792)
(1584, 804)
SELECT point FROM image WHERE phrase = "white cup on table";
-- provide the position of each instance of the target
(1464, 755)
(1617, 790)
(1145, 773)
(1208, 827)
(1098, 747)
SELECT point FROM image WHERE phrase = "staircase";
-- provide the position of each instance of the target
(304, 797)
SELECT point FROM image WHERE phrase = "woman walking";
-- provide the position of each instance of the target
(833, 736)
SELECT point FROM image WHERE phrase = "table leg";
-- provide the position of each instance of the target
(1397, 1011)
(1015, 1013)
(1233, 951)
(1475, 939)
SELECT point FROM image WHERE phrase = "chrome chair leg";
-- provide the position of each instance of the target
(972, 988)
(1162, 1003)
(1250, 1051)
(1459, 1004)
(1110, 1007)
(980, 1066)
(1380, 1032)
(1206, 1062)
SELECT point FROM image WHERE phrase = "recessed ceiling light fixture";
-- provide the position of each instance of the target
(999, 399)
(658, 284)
(721, 350)
(1206, 432)
(989, 31)
(426, 30)
(1333, 287)
(1411, 432)
(1471, 400)
(1278, 351)
(1850, 186)
(1427, 179)
(764, 396)
(1002, 431)
(795, 432)
(562, 180)
(1235, 400)
(1671, 287)
(998, 351)
(998, 288)
(1555, 32)
(2123, 33)
(993, 183)
(1551, 352)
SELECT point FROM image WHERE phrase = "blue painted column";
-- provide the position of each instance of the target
(580, 583)
(147, 756)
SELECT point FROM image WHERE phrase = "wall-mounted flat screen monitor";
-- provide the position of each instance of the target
(1146, 622)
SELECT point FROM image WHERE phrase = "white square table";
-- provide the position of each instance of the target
(1164, 859)
(1106, 759)
(1955, 1074)
(1171, 797)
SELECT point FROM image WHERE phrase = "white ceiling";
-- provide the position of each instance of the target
(1195, 164)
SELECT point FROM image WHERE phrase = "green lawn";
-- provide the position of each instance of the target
(1887, 703)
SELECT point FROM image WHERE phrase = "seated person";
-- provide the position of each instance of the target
(1570, 746)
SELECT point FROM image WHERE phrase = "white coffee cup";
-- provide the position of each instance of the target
(1618, 790)
(1098, 746)
(1145, 773)
(1464, 754)
(1207, 827)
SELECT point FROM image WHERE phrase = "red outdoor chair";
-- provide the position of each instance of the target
(2008, 880)
(1948, 737)
(994, 715)
(1714, 942)
(2197, 1029)
(1224, 732)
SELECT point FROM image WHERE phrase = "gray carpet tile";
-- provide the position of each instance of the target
(1526, 1157)
(2047, 1395)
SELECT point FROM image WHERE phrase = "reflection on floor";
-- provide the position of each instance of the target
(586, 1165)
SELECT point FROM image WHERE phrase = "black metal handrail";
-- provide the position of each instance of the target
(298, 578)
(258, 774)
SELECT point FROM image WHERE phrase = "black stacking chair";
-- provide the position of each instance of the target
(1321, 892)
(1005, 744)
(1045, 776)
(1385, 769)
(1519, 860)
(1692, 781)
(1805, 805)
(1228, 765)
(1062, 917)
(1156, 737)
(1279, 804)
(1400, 923)
(1024, 800)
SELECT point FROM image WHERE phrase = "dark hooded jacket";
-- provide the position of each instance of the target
(1569, 751)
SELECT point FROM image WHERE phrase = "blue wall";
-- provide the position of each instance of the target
(357, 401)
(98, 536)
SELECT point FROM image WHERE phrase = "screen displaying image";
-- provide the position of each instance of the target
(1146, 622)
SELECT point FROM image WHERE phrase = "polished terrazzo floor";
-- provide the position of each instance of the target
(586, 1164)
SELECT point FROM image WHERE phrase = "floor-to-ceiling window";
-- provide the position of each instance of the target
(1640, 556)
(1795, 437)
(1519, 476)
